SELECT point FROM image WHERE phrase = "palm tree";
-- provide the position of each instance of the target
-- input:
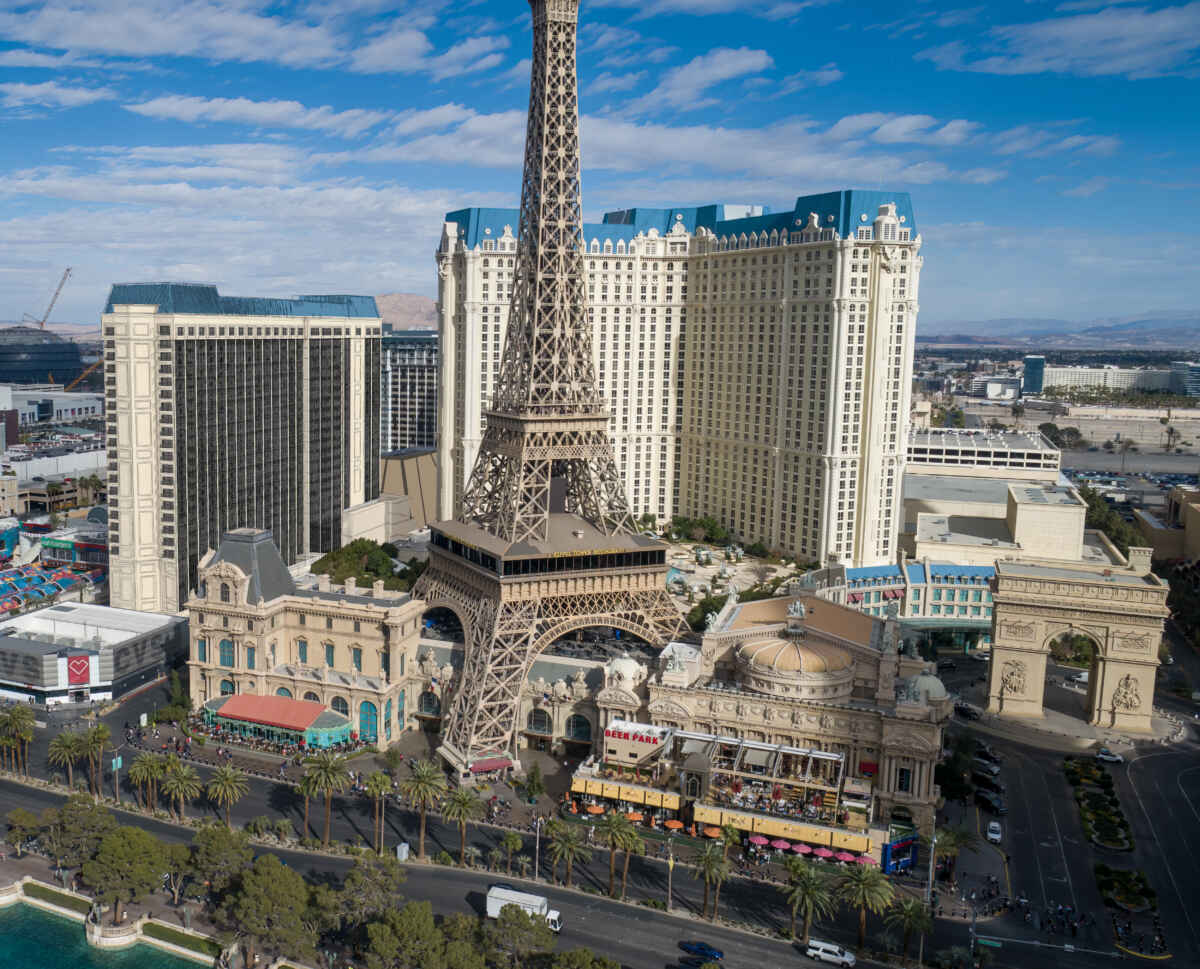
(379, 786)
(613, 828)
(143, 772)
(712, 867)
(20, 724)
(462, 807)
(65, 750)
(808, 893)
(329, 777)
(510, 842)
(309, 790)
(566, 845)
(95, 741)
(731, 836)
(7, 743)
(423, 788)
(866, 889)
(227, 786)
(180, 782)
(909, 915)
(634, 845)
(950, 842)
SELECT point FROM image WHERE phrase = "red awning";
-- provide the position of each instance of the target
(491, 763)
(272, 711)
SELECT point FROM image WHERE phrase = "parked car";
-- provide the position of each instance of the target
(994, 832)
(1108, 757)
(703, 950)
(981, 766)
(985, 753)
(987, 783)
(991, 802)
(966, 712)
(820, 951)
(947, 666)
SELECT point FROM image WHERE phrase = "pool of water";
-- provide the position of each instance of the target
(33, 939)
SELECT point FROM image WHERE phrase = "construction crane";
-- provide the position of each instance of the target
(74, 383)
(53, 299)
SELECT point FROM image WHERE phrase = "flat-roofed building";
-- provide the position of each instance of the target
(226, 412)
(980, 453)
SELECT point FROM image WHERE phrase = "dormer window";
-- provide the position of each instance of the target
(225, 592)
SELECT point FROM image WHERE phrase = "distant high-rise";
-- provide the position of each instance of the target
(1035, 374)
(228, 412)
(756, 366)
(410, 381)
(1185, 377)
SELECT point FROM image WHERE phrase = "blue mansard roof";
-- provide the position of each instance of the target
(842, 211)
(202, 298)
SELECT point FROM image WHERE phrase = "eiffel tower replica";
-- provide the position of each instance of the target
(544, 542)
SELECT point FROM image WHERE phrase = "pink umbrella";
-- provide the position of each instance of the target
(844, 856)
(757, 839)
(823, 853)
(866, 860)
(802, 849)
(781, 844)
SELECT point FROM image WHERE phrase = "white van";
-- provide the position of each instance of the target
(828, 952)
(1080, 678)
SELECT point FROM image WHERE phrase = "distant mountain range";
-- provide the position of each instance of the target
(407, 311)
(1164, 329)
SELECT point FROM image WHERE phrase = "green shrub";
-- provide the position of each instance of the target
(165, 933)
(61, 899)
(656, 903)
(443, 858)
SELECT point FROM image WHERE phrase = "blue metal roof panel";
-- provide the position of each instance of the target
(873, 572)
(942, 570)
(916, 573)
(203, 299)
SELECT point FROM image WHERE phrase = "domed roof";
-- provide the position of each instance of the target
(630, 669)
(929, 687)
(796, 656)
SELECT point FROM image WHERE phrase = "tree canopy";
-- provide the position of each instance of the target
(268, 910)
(128, 865)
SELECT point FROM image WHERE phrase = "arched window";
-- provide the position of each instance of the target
(224, 591)
(539, 722)
(227, 688)
(693, 786)
(579, 728)
(226, 652)
(368, 721)
(340, 705)
(312, 697)
(387, 720)
(284, 691)
(429, 705)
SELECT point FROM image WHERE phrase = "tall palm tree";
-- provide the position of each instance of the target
(865, 889)
(423, 788)
(950, 843)
(226, 787)
(731, 837)
(143, 772)
(510, 842)
(613, 828)
(461, 807)
(634, 845)
(379, 786)
(808, 893)
(566, 845)
(712, 867)
(909, 915)
(20, 723)
(7, 742)
(309, 790)
(329, 776)
(180, 783)
(95, 740)
(65, 750)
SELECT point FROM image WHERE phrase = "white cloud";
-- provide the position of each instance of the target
(822, 76)
(682, 88)
(1039, 141)
(403, 50)
(781, 10)
(1089, 188)
(268, 114)
(32, 58)
(606, 82)
(431, 119)
(51, 94)
(905, 127)
(1135, 42)
(515, 76)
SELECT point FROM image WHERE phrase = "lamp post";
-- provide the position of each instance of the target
(670, 871)
(537, 846)
(928, 894)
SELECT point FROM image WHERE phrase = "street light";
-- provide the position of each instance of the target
(537, 845)
(670, 870)
(928, 894)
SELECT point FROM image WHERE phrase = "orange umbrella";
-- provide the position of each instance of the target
(595, 809)
(712, 832)
(673, 824)
(634, 815)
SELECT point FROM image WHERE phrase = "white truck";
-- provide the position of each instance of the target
(536, 905)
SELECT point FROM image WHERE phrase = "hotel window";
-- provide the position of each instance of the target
(329, 654)
(356, 655)
(301, 651)
(249, 657)
(225, 652)
(904, 779)
(201, 650)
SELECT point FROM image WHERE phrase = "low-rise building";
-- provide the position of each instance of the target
(980, 454)
(1176, 533)
(76, 652)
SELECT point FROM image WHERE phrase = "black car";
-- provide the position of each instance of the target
(985, 753)
(991, 802)
(947, 666)
(966, 712)
(987, 783)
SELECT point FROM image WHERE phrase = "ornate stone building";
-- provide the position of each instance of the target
(253, 631)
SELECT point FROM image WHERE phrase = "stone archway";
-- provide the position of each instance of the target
(1122, 612)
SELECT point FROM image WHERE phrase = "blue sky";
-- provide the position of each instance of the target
(1050, 148)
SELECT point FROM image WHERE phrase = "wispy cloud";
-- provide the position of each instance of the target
(1097, 183)
(684, 88)
(51, 94)
(608, 83)
(267, 114)
(798, 80)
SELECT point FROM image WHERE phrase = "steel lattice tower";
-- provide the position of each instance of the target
(544, 543)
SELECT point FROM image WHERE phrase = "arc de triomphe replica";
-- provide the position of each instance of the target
(1120, 610)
